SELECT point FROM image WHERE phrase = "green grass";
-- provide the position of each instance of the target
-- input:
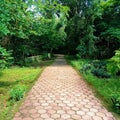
(12, 77)
(102, 87)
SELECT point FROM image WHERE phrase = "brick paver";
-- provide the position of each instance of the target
(61, 94)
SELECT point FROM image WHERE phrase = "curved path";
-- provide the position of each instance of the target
(61, 94)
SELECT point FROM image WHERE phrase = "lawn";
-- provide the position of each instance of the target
(104, 88)
(12, 77)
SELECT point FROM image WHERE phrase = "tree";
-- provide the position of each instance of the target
(80, 27)
(108, 29)
(31, 27)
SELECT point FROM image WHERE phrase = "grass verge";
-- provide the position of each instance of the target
(12, 77)
(102, 87)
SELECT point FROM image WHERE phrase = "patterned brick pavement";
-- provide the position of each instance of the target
(61, 94)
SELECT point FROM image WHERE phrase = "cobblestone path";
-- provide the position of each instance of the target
(61, 94)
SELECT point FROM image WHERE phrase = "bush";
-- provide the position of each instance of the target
(114, 66)
(82, 51)
(17, 92)
(115, 97)
(101, 73)
(5, 58)
(97, 68)
(86, 68)
(99, 65)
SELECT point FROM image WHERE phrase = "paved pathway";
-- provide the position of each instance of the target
(61, 94)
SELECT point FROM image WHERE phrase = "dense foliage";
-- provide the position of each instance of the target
(97, 68)
(31, 30)
(86, 28)
(108, 29)
(93, 28)
(115, 67)
(5, 58)
(32, 27)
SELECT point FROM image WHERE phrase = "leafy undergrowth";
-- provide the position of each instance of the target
(104, 87)
(15, 82)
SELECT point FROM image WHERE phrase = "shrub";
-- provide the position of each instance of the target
(5, 58)
(17, 92)
(82, 51)
(99, 64)
(114, 66)
(101, 73)
(86, 68)
(115, 97)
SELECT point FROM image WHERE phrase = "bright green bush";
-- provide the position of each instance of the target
(116, 58)
(17, 92)
(114, 65)
(5, 58)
